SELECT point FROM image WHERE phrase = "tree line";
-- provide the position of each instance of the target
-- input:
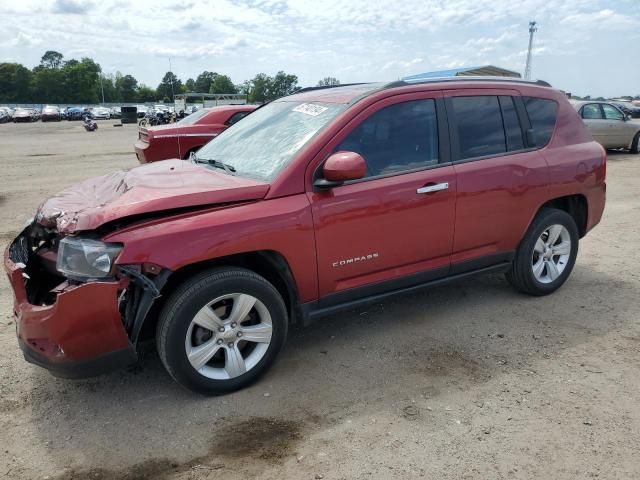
(56, 80)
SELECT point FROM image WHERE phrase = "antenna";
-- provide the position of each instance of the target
(527, 68)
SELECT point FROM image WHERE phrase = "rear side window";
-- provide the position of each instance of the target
(480, 128)
(542, 114)
(236, 117)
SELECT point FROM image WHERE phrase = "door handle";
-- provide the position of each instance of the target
(433, 188)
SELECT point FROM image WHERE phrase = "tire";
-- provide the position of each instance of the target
(635, 145)
(531, 272)
(142, 123)
(229, 361)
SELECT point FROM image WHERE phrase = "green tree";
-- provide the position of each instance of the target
(222, 84)
(51, 59)
(127, 87)
(328, 81)
(190, 85)
(203, 82)
(109, 87)
(146, 94)
(15, 82)
(257, 89)
(82, 81)
(48, 85)
(283, 84)
(169, 86)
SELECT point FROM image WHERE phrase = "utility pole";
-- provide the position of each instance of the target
(173, 95)
(527, 68)
(101, 86)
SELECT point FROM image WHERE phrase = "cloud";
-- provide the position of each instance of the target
(400, 64)
(73, 7)
(24, 40)
(601, 19)
(359, 40)
(200, 50)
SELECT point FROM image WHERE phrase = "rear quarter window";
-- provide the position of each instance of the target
(542, 115)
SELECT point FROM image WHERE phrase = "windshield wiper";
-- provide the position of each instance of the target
(230, 169)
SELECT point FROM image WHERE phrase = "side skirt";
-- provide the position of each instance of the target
(358, 297)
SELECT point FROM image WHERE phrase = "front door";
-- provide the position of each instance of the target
(393, 228)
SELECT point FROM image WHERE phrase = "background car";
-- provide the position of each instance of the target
(116, 112)
(75, 113)
(609, 125)
(23, 115)
(179, 140)
(100, 113)
(4, 116)
(51, 113)
(629, 108)
(142, 110)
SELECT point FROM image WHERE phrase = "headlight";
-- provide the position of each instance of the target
(86, 259)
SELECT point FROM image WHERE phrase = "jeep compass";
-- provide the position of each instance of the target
(318, 201)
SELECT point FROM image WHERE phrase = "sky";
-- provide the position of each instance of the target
(587, 47)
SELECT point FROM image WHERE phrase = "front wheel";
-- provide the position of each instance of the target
(143, 122)
(221, 330)
(546, 256)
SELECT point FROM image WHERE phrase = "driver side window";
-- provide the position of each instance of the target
(399, 137)
(612, 113)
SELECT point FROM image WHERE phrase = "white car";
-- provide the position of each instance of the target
(100, 113)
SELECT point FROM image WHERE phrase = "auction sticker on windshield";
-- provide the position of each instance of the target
(310, 109)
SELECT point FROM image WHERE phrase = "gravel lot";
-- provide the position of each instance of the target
(470, 380)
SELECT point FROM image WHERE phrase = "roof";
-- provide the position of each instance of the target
(337, 94)
(354, 92)
(487, 70)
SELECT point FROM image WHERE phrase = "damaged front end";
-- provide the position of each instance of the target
(77, 313)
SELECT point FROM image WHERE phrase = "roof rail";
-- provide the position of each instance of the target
(464, 78)
(310, 89)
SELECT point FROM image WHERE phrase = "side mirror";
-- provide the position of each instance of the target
(341, 167)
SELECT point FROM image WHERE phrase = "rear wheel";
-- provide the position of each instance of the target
(546, 256)
(221, 330)
(635, 145)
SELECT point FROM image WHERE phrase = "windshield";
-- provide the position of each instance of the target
(263, 143)
(194, 117)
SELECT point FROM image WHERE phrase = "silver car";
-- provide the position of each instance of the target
(609, 125)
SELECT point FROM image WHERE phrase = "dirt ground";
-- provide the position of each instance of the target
(466, 381)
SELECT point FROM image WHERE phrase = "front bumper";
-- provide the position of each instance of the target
(80, 334)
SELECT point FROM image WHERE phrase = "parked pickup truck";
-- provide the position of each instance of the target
(318, 201)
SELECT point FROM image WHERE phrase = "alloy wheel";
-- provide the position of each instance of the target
(551, 253)
(228, 336)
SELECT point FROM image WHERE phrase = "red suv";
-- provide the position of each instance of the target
(181, 139)
(322, 200)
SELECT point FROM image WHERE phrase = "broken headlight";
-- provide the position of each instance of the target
(86, 259)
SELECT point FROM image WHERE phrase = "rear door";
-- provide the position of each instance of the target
(499, 177)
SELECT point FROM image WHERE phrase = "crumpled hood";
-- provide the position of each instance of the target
(148, 188)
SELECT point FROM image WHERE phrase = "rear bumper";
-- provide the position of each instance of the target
(155, 151)
(80, 334)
